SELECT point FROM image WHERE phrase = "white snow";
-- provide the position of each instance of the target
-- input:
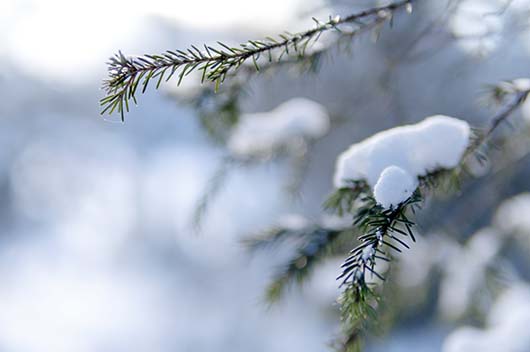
(285, 126)
(436, 142)
(394, 186)
(507, 326)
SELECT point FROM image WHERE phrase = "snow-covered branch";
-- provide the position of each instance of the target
(380, 183)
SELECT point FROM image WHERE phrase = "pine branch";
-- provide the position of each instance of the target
(318, 242)
(317, 246)
(383, 231)
(379, 226)
(127, 76)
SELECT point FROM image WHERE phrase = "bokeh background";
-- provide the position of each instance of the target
(97, 249)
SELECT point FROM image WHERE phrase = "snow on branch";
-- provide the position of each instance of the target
(293, 121)
(421, 155)
(381, 182)
(403, 154)
(290, 130)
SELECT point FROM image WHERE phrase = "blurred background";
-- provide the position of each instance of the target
(97, 248)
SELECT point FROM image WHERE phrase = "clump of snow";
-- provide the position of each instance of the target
(394, 186)
(434, 143)
(507, 326)
(288, 124)
(478, 25)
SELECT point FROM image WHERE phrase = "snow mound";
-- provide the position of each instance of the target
(394, 186)
(289, 123)
(436, 142)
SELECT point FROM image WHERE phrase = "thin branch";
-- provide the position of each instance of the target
(128, 74)
(519, 97)
(314, 242)
(506, 112)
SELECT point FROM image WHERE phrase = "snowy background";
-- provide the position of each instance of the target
(97, 252)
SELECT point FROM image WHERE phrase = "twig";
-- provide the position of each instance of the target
(500, 117)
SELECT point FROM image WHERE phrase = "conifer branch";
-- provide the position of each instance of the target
(128, 75)
(382, 231)
(376, 224)
(317, 242)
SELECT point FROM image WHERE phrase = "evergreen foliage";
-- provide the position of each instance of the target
(317, 242)
(130, 75)
(380, 233)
